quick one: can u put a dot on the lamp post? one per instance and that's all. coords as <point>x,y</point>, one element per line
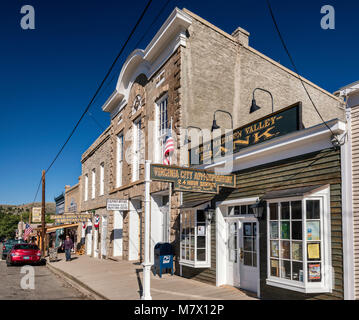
<point>214,124</point>
<point>146,291</point>
<point>254,106</point>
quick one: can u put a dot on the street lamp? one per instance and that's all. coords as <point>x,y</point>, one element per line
<point>215,126</point>
<point>258,208</point>
<point>254,106</point>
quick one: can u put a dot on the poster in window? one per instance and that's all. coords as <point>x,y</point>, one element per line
<point>274,248</point>
<point>201,230</point>
<point>313,230</point>
<point>314,272</point>
<point>274,230</point>
<point>285,230</point>
<point>313,251</point>
<point>297,250</point>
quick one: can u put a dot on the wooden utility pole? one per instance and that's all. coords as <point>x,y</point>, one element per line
<point>43,231</point>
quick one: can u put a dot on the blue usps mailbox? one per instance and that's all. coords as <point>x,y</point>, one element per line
<point>163,257</point>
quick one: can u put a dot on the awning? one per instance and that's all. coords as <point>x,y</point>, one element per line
<point>293,192</point>
<point>61,226</point>
<point>192,204</point>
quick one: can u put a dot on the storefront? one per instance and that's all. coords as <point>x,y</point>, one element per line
<point>279,232</point>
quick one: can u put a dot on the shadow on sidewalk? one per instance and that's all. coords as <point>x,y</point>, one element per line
<point>139,281</point>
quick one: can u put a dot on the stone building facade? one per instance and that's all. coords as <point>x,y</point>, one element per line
<point>189,70</point>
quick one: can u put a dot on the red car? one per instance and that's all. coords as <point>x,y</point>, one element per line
<point>24,253</point>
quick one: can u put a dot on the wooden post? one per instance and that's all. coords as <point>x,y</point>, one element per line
<point>43,215</point>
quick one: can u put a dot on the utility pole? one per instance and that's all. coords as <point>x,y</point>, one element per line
<point>43,234</point>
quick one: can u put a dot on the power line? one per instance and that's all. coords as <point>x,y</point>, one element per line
<point>96,93</point>
<point>296,70</point>
<point>138,42</point>
<point>101,84</point>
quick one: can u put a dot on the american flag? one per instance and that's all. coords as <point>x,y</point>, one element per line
<point>169,148</point>
<point>27,231</point>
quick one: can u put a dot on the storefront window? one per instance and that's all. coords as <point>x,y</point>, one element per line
<point>297,256</point>
<point>195,239</point>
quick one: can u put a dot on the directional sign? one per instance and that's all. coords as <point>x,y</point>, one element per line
<point>195,180</point>
<point>117,204</point>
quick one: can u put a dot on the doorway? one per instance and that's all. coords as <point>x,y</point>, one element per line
<point>117,233</point>
<point>134,230</point>
<point>242,253</point>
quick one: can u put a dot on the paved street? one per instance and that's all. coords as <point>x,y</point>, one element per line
<point>47,285</point>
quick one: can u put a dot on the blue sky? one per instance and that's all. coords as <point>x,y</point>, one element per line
<point>48,75</point>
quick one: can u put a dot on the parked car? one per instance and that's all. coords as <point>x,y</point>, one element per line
<point>24,253</point>
<point>8,245</point>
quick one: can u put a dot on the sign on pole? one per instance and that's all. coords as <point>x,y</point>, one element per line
<point>36,214</point>
<point>117,204</point>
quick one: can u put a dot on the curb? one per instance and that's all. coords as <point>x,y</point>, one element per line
<point>76,283</point>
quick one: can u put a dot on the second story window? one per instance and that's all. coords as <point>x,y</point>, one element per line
<point>93,186</point>
<point>162,126</point>
<point>102,178</point>
<point>137,141</point>
<point>119,160</point>
<point>86,195</point>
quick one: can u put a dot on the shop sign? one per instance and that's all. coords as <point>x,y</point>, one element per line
<point>117,204</point>
<point>36,215</point>
<point>194,180</point>
<point>277,124</point>
<point>71,218</point>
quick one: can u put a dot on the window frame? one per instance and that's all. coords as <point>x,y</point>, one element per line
<point>160,135</point>
<point>137,145</point>
<point>119,166</point>
<point>102,179</point>
<point>195,263</point>
<point>326,283</point>
<point>86,195</point>
<point>93,183</point>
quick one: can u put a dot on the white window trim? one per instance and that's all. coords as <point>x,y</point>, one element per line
<point>162,80</point>
<point>326,264</point>
<point>102,179</point>
<point>93,183</point>
<point>86,195</point>
<point>119,165</point>
<point>136,150</point>
<point>158,155</point>
<point>195,263</point>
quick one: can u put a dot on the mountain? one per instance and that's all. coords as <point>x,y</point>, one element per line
<point>18,209</point>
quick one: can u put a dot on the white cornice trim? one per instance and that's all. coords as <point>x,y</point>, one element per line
<point>169,37</point>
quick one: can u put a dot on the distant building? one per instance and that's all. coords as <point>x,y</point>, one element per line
<point>60,203</point>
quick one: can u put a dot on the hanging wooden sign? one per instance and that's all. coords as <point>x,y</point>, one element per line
<point>194,180</point>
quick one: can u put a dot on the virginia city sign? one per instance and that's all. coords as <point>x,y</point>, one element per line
<point>279,123</point>
<point>195,180</point>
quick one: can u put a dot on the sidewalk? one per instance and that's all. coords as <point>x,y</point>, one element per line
<point>122,280</point>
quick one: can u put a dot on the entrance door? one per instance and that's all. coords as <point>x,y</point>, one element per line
<point>134,230</point>
<point>233,253</point>
<point>242,264</point>
<point>248,256</point>
<point>117,234</point>
<point>104,237</point>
